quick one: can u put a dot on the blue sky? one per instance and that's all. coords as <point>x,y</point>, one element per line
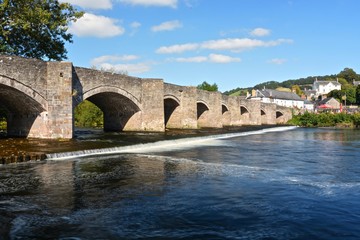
<point>233,43</point>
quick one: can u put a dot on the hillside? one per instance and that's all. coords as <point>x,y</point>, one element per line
<point>348,74</point>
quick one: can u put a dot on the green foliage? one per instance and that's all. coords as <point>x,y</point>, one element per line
<point>88,114</point>
<point>237,92</point>
<point>357,95</point>
<point>325,119</point>
<point>3,123</point>
<point>349,75</point>
<point>36,29</point>
<point>348,94</point>
<point>297,90</point>
<point>208,87</point>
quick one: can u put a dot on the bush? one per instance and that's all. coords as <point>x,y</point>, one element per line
<point>325,119</point>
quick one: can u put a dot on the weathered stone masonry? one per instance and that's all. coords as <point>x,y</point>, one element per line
<point>40,98</point>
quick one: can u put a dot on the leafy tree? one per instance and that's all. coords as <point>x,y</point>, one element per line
<point>3,123</point>
<point>357,94</point>
<point>268,85</point>
<point>88,114</point>
<point>297,90</point>
<point>208,87</point>
<point>36,29</point>
<point>350,94</point>
<point>349,74</point>
<point>337,94</point>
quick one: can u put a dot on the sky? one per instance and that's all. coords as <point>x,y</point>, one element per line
<point>233,43</point>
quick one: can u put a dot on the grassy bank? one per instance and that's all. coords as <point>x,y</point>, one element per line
<point>326,120</point>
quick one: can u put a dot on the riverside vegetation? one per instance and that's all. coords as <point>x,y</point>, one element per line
<point>326,119</point>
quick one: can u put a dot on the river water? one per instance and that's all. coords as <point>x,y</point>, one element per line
<point>280,183</point>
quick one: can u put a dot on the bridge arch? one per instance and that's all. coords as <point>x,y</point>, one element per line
<point>244,110</point>
<point>226,115</point>
<point>27,90</point>
<point>279,114</point>
<point>202,107</point>
<point>23,106</point>
<point>171,103</point>
<point>118,105</point>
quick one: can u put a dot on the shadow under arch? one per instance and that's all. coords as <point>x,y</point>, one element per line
<point>170,104</point>
<point>224,108</point>
<point>23,106</point>
<point>117,105</point>
<point>244,110</point>
<point>262,112</point>
<point>279,114</point>
<point>202,107</point>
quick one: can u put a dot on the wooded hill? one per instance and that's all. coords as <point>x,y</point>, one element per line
<point>348,74</point>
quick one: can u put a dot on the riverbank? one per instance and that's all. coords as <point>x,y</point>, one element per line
<point>14,150</point>
<point>338,120</point>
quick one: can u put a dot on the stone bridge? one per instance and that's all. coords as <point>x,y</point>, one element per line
<point>40,97</point>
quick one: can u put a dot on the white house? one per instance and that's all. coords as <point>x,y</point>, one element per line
<point>286,99</point>
<point>324,87</point>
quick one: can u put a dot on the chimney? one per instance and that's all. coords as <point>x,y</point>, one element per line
<point>253,93</point>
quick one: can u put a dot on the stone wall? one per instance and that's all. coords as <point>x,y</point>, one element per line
<point>180,106</point>
<point>209,109</point>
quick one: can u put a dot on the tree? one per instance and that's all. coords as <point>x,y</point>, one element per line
<point>358,95</point>
<point>36,29</point>
<point>208,87</point>
<point>88,114</point>
<point>349,74</point>
<point>297,90</point>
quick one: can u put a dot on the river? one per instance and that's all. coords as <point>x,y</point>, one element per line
<point>277,183</point>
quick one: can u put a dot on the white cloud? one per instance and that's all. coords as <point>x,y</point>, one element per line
<point>260,32</point>
<point>278,61</point>
<point>214,58</point>
<point>91,4</point>
<point>119,63</point>
<point>128,68</point>
<point>177,48</point>
<point>91,25</point>
<point>230,44</point>
<point>167,26</point>
<point>113,58</point>
<point>135,25</point>
<point>218,58</point>
<point>198,59</point>
<point>148,3</point>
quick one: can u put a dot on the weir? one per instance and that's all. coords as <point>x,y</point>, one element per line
<point>162,146</point>
<point>40,98</point>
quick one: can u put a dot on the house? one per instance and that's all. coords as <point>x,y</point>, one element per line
<point>356,83</point>
<point>309,94</point>
<point>309,106</point>
<point>286,99</point>
<point>328,103</point>
<point>322,88</point>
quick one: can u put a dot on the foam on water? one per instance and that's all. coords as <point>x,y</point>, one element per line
<point>161,146</point>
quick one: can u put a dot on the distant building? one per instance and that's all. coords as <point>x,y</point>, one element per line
<point>286,99</point>
<point>322,88</point>
<point>309,106</point>
<point>310,94</point>
<point>328,103</point>
<point>356,83</point>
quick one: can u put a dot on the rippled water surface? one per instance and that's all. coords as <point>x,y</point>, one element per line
<point>295,184</point>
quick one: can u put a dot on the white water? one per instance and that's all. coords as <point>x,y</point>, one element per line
<point>166,145</point>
